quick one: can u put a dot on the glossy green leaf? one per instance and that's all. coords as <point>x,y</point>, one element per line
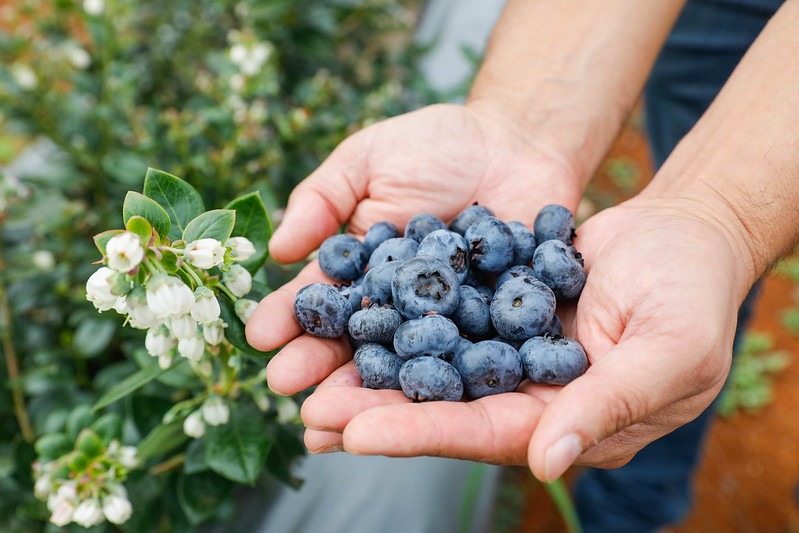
<point>137,204</point>
<point>127,386</point>
<point>161,440</point>
<point>237,450</point>
<point>180,200</point>
<point>252,222</point>
<point>141,227</point>
<point>200,495</point>
<point>53,446</point>
<point>108,427</point>
<point>215,224</point>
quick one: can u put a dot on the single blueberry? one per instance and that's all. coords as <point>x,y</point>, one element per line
<point>379,233</point>
<point>472,315</point>
<point>374,324</point>
<point>398,249</point>
<point>377,366</point>
<point>516,271</point>
<point>448,246</point>
<point>425,284</point>
<point>489,367</point>
<point>321,310</point>
<point>421,225</point>
<point>430,335</point>
<point>429,379</point>
<point>555,328</point>
<point>553,360</point>
<point>342,257</point>
<point>490,245</point>
<point>469,216</point>
<point>523,243</point>
<point>353,293</point>
<point>377,283</point>
<point>554,222</point>
<point>522,308</point>
<point>561,267</point>
<point>462,345</point>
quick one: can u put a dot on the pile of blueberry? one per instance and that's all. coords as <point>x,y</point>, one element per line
<point>447,311</point>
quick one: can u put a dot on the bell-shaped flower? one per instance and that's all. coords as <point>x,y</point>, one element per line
<point>205,253</point>
<point>168,296</point>
<point>214,332</point>
<point>183,327</point>
<point>124,252</point>
<point>88,513</point>
<point>117,509</point>
<point>141,315</point>
<point>194,426</point>
<point>245,308</point>
<point>215,411</point>
<point>192,348</point>
<point>159,341</point>
<point>98,289</point>
<point>206,306</point>
<point>238,280</point>
<point>241,248</point>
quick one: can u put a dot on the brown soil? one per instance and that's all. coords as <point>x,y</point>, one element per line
<point>750,471</point>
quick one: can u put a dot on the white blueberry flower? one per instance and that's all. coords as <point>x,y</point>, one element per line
<point>98,289</point>
<point>192,348</point>
<point>287,410</point>
<point>62,512</point>
<point>141,315</point>
<point>24,76</point>
<point>159,341</point>
<point>241,248</point>
<point>194,426</point>
<point>43,487</point>
<point>238,53</point>
<point>168,296</point>
<point>117,509</point>
<point>215,411</point>
<point>88,513</point>
<point>124,252</point>
<point>214,332</point>
<point>78,57</point>
<point>164,361</point>
<point>184,327</point>
<point>238,280</point>
<point>94,7</point>
<point>262,401</point>
<point>43,259</point>
<point>121,305</point>
<point>206,306</point>
<point>245,308</point>
<point>127,457</point>
<point>205,253</point>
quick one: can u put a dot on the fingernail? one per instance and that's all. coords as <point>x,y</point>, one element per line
<point>327,449</point>
<point>561,455</point>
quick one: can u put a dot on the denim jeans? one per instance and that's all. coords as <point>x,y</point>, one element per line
<point>710,37</point>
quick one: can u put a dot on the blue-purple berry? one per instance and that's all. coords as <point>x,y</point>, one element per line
<point>423,285</point>
<point>490,245</point>
<point>522,308</point>
<point>321,310</point>
<point>426,379</point>
<point>422,225</point>
<point>489,367</point>
<point>553,360</point>
<point>377,366</point>
<point>343,257</point>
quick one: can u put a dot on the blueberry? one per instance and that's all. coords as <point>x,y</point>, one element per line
<point>353,293</point>
<point>421,225</point>
<point>377,366</point>
<point>469,216</point>
<point>342,257</point>
<point>553,360</point>
<point>516,344</point>
<point>431,335</point>
<point>523,243</point>
<point>379,233</point>
<point>555,327</point>
<point>321,310</point>
<point>374,324</point>
<point>522,308</point>
<point>377,283</point>
<point>448,246</point>
<point>554,222</point>
<point>425,284</point>
<point>561,267</point>
<point>490,245</point>
<point>462,345</point>
<point>489,367</point>
<point>428,379</point>
<point>472,315</point>
<point>398,249</point>
<point>516,271</point>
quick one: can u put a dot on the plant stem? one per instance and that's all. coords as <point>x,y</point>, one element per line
<point>193,275</point>
<point>560,496</point>
<point>169,464</point>
<point>233,297</point>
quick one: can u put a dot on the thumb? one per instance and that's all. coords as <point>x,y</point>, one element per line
<point>321,203</point>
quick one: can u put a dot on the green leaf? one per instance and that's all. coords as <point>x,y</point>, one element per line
<point>80,417</point>
<point>180,200</point>
<point>108,427</point>
<point>93,336</point>
<point>215,224</point>
<point>128,385</point>
<point>141,227</point>
<point>101,239</point>
<point>238,449</point>
<point>53,446</point>
<point>161,440</point>
<point>252,222</point>
<point>200,495</point>
<point>169,260</point>
<point>286,447</point>
<point>195,458</point>
<point>137,204</point>
<point>234,332</point>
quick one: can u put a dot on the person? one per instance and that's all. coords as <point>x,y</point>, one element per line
<point>667,270</point>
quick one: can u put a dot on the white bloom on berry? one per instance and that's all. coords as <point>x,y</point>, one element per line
<point>43,259</point>
<point>206,306</point>
<point>98,289</point>
<point>194,426</point>
<point>124,252</point>
<point>94,7</point>
<point>63,512</point>
<point>215,411</point>
<point>184,327</point>
<point>241,248</point>
<point>205,253</point>
<point>245,308</point>
<point>117,509</point>
<point>287,410</point>
<point>141,316</point>
<point>168,296</point>
<point>43,487</point>
<point>159,341</point>
<point>214,332</point>
<point>192,348</point>
<point>238,280</point>
<point>88,513</point>
<point>24,76</point>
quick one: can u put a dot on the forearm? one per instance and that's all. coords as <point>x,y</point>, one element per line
<point>568,72</point>
<point>740,164</point>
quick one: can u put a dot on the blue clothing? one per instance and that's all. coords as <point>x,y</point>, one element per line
<point>709,39</point>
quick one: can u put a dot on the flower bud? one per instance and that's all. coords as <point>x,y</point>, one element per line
<point>192,348</point>
<point>141,316</point>
<point>241,248</point>
<point>43,487</point>
<point>159,341</point>
<point>168,296</point>
<point>88,513</point>
<point>245,308</point>
<point>183,327</point>
<point>117,509</point>
<point>287,410</point>
<point>124,252</point>
<point>194,426</point>
<point>63,511</point>
<point>206,306</point>
<point>214,332</point>
<point>204,368</point>
<point>205,253</point>
<point>238,280</point>
<point>98,289</point>
<point>127,457</point>
<point>215,411</point>
<point>164,361</point>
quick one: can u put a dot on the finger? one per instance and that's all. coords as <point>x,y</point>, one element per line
<point>495,429</point>
<point>332,408</point>
<point>344,376</point>
<point>273,324</point>
<point>322,202</point>
<point>323,441</point>
<point>305,362</point>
